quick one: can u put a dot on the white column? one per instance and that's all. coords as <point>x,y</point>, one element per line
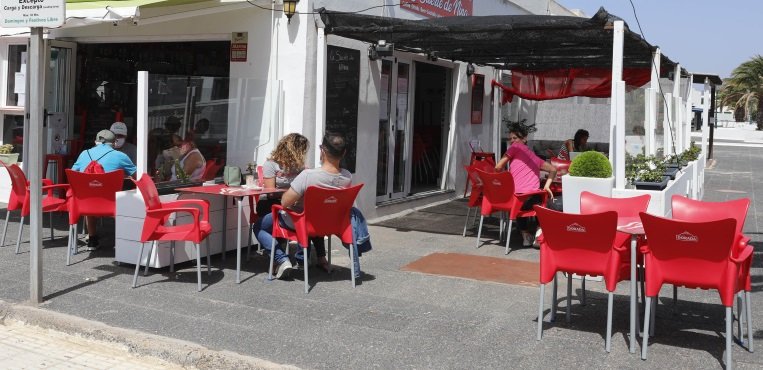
<point>676,116</point>
<point>616,120</point>
<point>142,124</point>
<point>667,138</point>
<point>688,113</point>
<point>652,101</point>
<point>320,95</point>
<point>705,116</point>
<point>460,75</point>
<point>37,67</point>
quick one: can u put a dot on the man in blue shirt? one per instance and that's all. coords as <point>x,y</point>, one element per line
<point>111,160</point>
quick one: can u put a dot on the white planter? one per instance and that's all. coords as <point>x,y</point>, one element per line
<point>572,186</point>
<point>659,201</point>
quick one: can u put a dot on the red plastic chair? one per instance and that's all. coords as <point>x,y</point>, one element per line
<point>475,197</point>
<point>155,226</point>
<point>326,213</point>
<point>580,244</point>
<point>481,160</point>
<point>499,196</point>
<point>211,169</point>
<point>92,194</point>
<point>687,209</point>
<point>694,255</point>
<point>562,168</point>
<point>19,200</point>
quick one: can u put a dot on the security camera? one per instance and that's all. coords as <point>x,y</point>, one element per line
<point>384,49</point>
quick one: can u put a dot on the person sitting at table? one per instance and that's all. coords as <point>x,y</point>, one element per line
<point>328,175</point>
<point>190,160</point>
<point>576,144</point>
<point>104,153</point>
<point>525,168</point>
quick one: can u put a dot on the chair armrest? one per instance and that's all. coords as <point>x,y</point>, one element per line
<point>201,203</point>
<point>50,188</point>
<point>743,255</point>
<point>524,196</point>
<point>163,212</point>
<point>46,182</point>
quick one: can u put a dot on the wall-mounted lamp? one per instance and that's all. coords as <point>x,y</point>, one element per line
<point>289,8</point>
<point>380,50</point>
<point>469,69</point>
<point>432,55</point>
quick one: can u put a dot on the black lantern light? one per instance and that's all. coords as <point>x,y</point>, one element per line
<point>289,8</point>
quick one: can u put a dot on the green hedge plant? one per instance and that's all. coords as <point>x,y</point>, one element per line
<point>591,164</point>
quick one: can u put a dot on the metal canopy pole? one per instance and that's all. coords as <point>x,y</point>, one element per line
<point>617,101</point>
<point>34,161</point>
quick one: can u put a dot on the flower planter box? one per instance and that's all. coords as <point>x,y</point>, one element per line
<point>649,185</point>
<point>10,158</point>
<point>671,172</point>
<point>574,185</point>
<point>659,202</point>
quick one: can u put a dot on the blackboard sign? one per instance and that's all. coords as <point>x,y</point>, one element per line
<point>342,92</point>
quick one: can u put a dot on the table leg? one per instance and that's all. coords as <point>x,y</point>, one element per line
<point>633,294</point>
<point>239,201</point>
<point>225,225</point>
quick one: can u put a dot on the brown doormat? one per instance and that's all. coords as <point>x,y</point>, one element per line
<point>499,270</point>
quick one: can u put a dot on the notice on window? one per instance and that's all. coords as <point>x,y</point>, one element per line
<point>19,83</point>
<point>238,46</point>
<point>32,13</point>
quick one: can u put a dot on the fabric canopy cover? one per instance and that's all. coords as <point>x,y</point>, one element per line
<point>565,83</point>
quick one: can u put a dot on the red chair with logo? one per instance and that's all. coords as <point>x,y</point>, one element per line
<point>693,255</point>
<point>687,209</point>
<point>583,245</point>
<point>326,213</point>
<point>475,197</point>
<point>499,196</point>
<point>92,194</point>
<point>155,226</point>
<point>20,198</point>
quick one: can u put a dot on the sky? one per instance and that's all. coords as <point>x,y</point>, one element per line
<point>705,36</point>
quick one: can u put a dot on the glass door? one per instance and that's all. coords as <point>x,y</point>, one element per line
<point>394,99</point>
<point>59,94</point>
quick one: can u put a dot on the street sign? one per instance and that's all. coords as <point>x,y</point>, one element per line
<point>32,13</point>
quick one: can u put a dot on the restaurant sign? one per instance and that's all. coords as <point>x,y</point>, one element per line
<point>32,13</point>
<point>438,8</point>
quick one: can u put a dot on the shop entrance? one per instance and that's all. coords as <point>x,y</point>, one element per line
<point>430,127</point>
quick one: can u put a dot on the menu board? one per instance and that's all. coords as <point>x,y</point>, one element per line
<point>342,92</point>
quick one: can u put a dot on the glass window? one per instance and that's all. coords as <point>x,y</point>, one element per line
<point>13,132</point>
<point>16,69</point>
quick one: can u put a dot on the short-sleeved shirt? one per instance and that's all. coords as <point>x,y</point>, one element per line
<point>131,150</point>
<point>319,177</point>
<point>110,159</point>
<point>524,167</point>
<point>271,169</point>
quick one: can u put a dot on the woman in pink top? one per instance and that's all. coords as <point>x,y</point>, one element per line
<point>525,168</point>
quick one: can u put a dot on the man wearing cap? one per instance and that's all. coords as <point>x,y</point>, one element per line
<point>111,160</point>
<point>120,132</point>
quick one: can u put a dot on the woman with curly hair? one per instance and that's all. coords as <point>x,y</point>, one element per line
<point>525,168</point>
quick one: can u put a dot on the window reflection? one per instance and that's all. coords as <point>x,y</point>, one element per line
<point>16,70</point>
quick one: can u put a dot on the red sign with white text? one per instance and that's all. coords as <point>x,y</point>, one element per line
<point>438,8</point>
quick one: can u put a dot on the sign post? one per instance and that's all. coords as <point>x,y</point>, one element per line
<point>34,14</point>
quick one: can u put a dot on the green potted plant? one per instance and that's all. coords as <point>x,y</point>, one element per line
<point>7,156</point>
<point>590,171</point>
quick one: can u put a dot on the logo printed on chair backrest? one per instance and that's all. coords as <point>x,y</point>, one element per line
<point>576,228</point>
<point>497,182</point>
<point>687,237</point>
<point>95,184</point>
<point>330,200</point>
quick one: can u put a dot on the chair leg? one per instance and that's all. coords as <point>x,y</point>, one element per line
<point>553,301</point>
<point>137,265</point>
<point>675,296</point>
<point>508,236</point>
<point>5,227</point>
<point>328,252</point>
<point>172,257</point>
<point>479,231</point>
<point>249,244</point>
<point>748,312</point>
<point>569,296</point>
<point>610,300</point>
<point>198,266</point>
<point>209,261</point>
<point>468,210</point>
<point>645,336</point>
<point>540,311</point>
<point>50,214</point>
<point>654,313</point>
<point>307,267</point>
<point>740,318</point>
<point>150,253</point>
<point>353,248</point>
<point>582,294</point>
<point>72,239</point>
<point>729,318</point>
<point>18,238</point>
<point>272,258</point>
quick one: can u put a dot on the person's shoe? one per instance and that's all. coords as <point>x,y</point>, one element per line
<point>282,271</point>
<point>538,236</point>
<point>92,243</point>
<point>527,240</point>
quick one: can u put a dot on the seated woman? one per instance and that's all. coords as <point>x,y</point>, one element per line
<point>191,161</point>
<point>329,175</point>
<point>577,144</point>
<point>525,168</point>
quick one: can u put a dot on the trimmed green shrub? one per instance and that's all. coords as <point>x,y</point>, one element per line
<point>591,164</point>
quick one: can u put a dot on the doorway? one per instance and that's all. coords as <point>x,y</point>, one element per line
<point>431,109</point>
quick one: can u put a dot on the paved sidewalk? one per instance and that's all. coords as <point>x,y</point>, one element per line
<point>28,347</point>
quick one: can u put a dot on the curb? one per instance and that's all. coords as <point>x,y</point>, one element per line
<point>180,352</point>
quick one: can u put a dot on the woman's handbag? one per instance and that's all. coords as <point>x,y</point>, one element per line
<point>232,176</point>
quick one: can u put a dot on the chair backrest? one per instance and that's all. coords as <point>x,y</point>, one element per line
<point>210,169</point>
<point>625,207</point>
<point>687,209</point>
<point>93,194</point>
<point>327,211</point>
<point>18,187</point>
<point>562,167</point>
<point>691,254</point>
<point>577,243</point>
<point>148,190</point>
<point>497,190</point>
